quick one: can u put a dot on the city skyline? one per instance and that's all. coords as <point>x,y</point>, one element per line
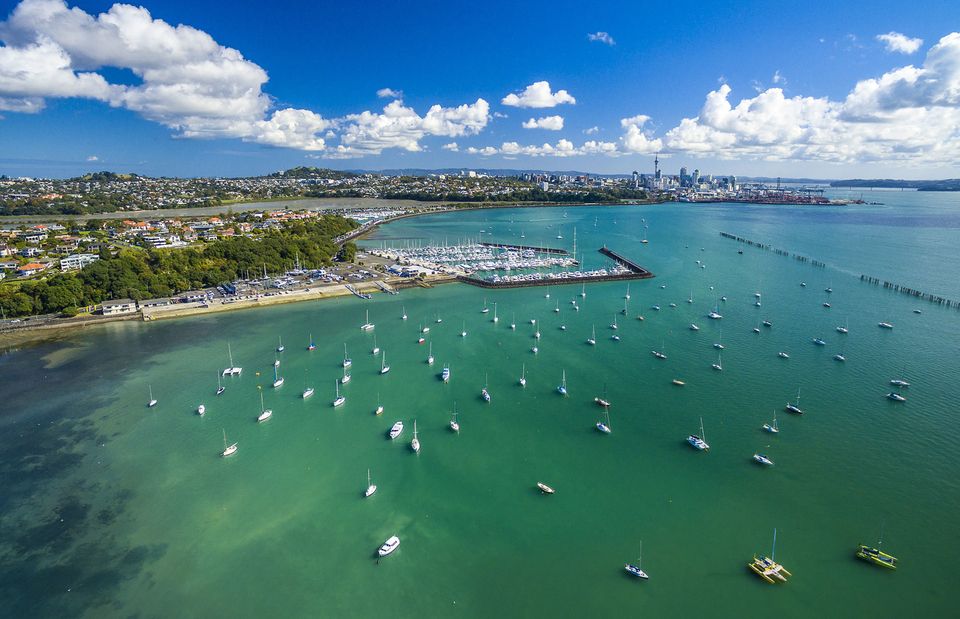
<point>184,89</point>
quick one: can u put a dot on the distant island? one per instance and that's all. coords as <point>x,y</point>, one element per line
<point>950,184</point>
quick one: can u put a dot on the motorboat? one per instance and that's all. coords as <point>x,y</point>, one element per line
<point>544,488</point>
<point>201,410</point>
<point>396,430</point>
<point>783,355</point>
<point>389,546</point>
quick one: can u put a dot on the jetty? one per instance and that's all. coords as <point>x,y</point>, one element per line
<point>624,270</point>
<point>382,286</point>
<point>357,293</point>
<point>521,248</point>
<point>780,252</point>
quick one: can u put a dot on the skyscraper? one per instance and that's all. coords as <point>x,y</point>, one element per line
<point>696,178</point>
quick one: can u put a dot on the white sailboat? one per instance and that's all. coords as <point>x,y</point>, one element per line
<point>384,368</point>
<point>371,487</point>
<point>404,317</point>
<point>415,443</point>
<point>495,318</point>
<point>232,370</point>
<point>699,442</point>
<point>151,402</point>
<point>719,364</point>
<point>583,291</point>
<point>614,325</point>
<point>277,379</point>
<point>339,399</point>
<point>659,354</point>
<point>844,328</point>
<point>605,427</point>
<point>376,349</point>
<point>379,409</point>
<point>513,322</point>
<point>347,361</point>
<point>627,296</point>
<point>264,413</point>
<point>280,347</point>
<point>485,309</point>
<point>772,428</point>
<point>220,387</point>
<point>794,407</point>
<point>634,570</point>
<point>201,410</point>
<point>523,375</point>
<point>593,337</point>
<point>228,450</point>
<point>556,309</point>
<point>562,389</point>
<point>463,329</point>
<point>430,355</point>
<point>719,343</point>
<point>454,424</point>
<point>312,345</point>
<point>308,391</point>
<point>485,393</point>
<point>367,325</point>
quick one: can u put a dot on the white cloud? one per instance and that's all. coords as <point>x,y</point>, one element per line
<point>538,95</point>
<point>601,37</point>
<point>93,158</point>
<point>592,130</point>
<point>500,115</point>
<point>908,114</point>
<point>452,147</point>
<point>778,78</point>
<point>390,93</point>
<point>635,139</point>
<point>901,43</point>
<point>551,123</point>
<point>485,151</point>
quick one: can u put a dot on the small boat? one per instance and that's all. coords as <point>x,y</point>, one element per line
<point>534,350</point>
<point>593,337</point>
<point>220,387</point>
<point>624,310</point>
<point>634,570</point>
<point>425,330</point>
<point>485,309</point>
<point>484,393</point>
<point>896,397</point>
<point>694,327</point>
<point>151,402</point>
<point>839,357</point>
<point>563,327</point>
<point>757,329</point>
<point>899,382</point>
<point>819,341</point>
<point>280,347</point>
<point>762,459</point>
<point>276,363</point>
<point>828,289</point>
<point>389,546</point>
<point>415,443</point>
<point>655,308</point>
<point>430,355</point>
<point>615,338</point>
<point>714,315</point>
<point>803,284</point>
<point>583,291</point>
<point>347,361</point>
<point>673,304</point>
<point>772,428</point>
<point>562,388</point>
<point>794,407</point>
<point>228,450</point>
<point>719,344</point>
<point>556,310</point>
<point>311,345</point>
<point>376,349</point>
<point>309,391</point>
<point>384,368</point>
<point>826,305</point>
<point>536,334</point>
<point>495,317</point>
<point>718,366</point>
<point>768,569</point>
<point>367,325</point>
<point>533,321</point>
<point>544,488</point>
<point>523,375</point>
<point>439,320</point>
<point>201,410</point>
<point>614,325</point>
<point>767,323</point>
<point>379,409</point>
<point>678,382</point>
<point>264,412</point>
<point>396,430</point>
<point>339,399</point>
<point>371,487</point>
<point>658,354</point>
<point>783,355</point>
<point>877,556</point>
<point>690,298</point>
<point>884,325</point>
<point>844,328</point>
<point>916,311</point>
<point>698,441</point>
<point>604,427</point>
<point>404,316</point>
<point>627,296</point>
<point>346,377</point>
<point>463,330</point>
<point>454,424</point>
<point>513,322</point>
<point>445,374</point>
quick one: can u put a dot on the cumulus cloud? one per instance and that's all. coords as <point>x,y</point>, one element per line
<point>592,130</point>
<point>601,37</point>
<point>551,123</point>
<point>907,114</point>
<point>538,95</point>
<point>390,93</point>
<point>900,43</point>
<point>452,147</point>
<point>93,158</point>
<point>635,140</point>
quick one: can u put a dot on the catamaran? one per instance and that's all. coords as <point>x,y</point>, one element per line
<point>347,361</point>
<point>445,374</point>
<point>593,337</point>
<point>767,568</point>
<point>562,389</point>
<point>151,402</point>
<point>371,488</point>
<point>264,412</point>
<point>634,570</point>
<point>367,325</point>
<point>698,441</point>
<point>232,370</point>
<point>772,429</point>
<point>220,387</point>
<point>794,407</point>
<point>384,368</point>
<point>396,430</point>
<point>415,443</point>
<point>228,450</point>
<point>280,347</point>
<point>340,399</point>
<point>523,375</point>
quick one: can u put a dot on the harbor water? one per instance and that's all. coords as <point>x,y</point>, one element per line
<point>114,509</point>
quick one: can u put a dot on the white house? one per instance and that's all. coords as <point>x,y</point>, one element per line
<point>77,261</point>
<point>119,306</point>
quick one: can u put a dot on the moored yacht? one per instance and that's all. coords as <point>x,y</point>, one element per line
<point>228,450</point>
<point>762,459</point>
<point>445,374</point>
<point>698,441</point>
<point>371,487</point>
<point>415,443</point>
<point>772,428</point>
<point>396,430</point>
<point>562,388</point>
<point>367,325</point>
<point>389,546</point>
<point>794,407</point>
<point>201,410</point>
<point>339,399</point>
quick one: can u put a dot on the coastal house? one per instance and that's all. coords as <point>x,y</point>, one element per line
<point>30,252</point>
<point>162,302</point>
<point>119,306</point>
<point>77,261</point>
<point>9,265</point>
<point>5,251</point>
<point>31,268</point>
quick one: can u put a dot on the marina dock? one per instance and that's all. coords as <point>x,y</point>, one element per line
<point>625,270</point>
<point>539,250</point>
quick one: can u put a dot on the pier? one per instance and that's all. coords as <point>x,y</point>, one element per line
<point>926,296</point>
<point>357,293</point>
<point>385,287</point>
<point>779,252</point>
<point>520,248</point>
<point>625,270</point>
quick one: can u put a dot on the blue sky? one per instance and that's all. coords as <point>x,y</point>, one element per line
<point>764,88</point>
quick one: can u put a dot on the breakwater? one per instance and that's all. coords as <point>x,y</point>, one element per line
<point>626,270</point>
<point>780,252</point>
<point>926,296</point>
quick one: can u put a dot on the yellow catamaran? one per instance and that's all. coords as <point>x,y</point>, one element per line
<point>768,569</point>
<point>877,556</point>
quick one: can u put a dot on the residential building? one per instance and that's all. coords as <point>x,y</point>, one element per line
<point>119,306</point>
<point>77,261</point>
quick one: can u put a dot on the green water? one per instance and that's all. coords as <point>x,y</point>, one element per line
<point>113,509</point>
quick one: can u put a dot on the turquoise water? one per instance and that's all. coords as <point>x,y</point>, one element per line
<point>114,509</point>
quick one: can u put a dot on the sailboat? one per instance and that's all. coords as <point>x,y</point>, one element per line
<point>376,349</point>
<point>624,310</point>
<point>604,427</point>
<point>719,344</point>
<point>232,370</point>
<point>454,424</point>
<point>583,291</point>
<point>767,568</point>
<point>201,410</point>
<point>307,390</point>
<point>614,325</point>
<point>311,345</point>
<point>371,487</point>
<point>276,362</point>
<point>340,399</point>
<point>439,320</point>
<point>772,429</point>
<point>603,401</point>
<point>228,450</point>
<point>845,327</point>
<point>445,374</point>
<point>690,298</point>
<point>220,387</point>
<point>463,329</point>
<point>699,441</point>
<point>896,396</point>
<point>264,413</point>
<point>556,309</point>
<point>430,355</point>
<point>151,402</point>
<point>513,322</point>
<point>485,309</point>
<point>367,326</point>
<point>877,556</point>
<point>694,327</point>
<point>379,409</point>
<point>484,393</point>
<point>280,348</point>
<point>384,368</point>
<point>277,379</point>
<point>593,337</point>
<point>659,354</point>
<point>415,443</point>
<point>627,296</point>
<point>562,389</point>
<point>404,317</point>
<point>719,364</point>
<point>347,361</point>
<point>795,407</point>
<point>759,458</point>
<point>495,318</point>
<point>634,570</point>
